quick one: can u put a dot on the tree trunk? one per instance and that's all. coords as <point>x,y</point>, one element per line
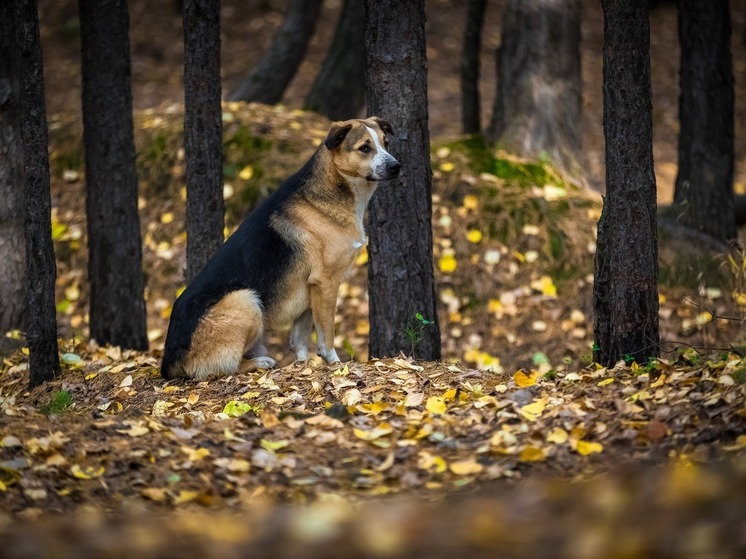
<point>41,331</point>
<point>400,272</point>
<point>12,243</point>
<point>203,140</point>
<point>338,91</point>
<point>117,313</point>
<point>703,198</point>
<point>268,80</point>
<point>470,106</point>
<point>538,105</point>
<point>625,292</point>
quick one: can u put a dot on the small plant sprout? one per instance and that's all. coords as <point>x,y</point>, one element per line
<point>415,333</point>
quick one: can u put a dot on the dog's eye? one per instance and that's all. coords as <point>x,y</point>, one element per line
<point>365,148</point>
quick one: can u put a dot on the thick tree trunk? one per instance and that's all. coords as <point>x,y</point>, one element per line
<point>538,105</point>
<point>470,105</point>
<point>268,80</point>
<point>41,332</point>
<point>400,272</point>
<point>117,313</point>
<point>12,242</point>
<point>338,91</point>
<point>625,292</point>
<point>203,140</point>
<point>704,199</point>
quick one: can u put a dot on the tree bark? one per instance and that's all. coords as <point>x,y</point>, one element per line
<point>268,80</point>
<point>12,242</point>
<point>538,106</point>
<point>41,331</point>
<point>203,133</point>
<point>470,105</point>
<point>400,273</point>
<point>338,91</point>
<point>625,292</point>
<point>117,311</point>
<point>704,198</point>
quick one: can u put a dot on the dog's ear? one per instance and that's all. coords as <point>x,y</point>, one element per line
<point>383,125</point>
<point>337,133</point>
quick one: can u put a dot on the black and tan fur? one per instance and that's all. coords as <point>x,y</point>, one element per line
<point>283,265</point>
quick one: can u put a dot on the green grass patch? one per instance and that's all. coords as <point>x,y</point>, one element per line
<point>59,403</point>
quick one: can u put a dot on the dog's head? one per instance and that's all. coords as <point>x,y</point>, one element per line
<point>359,148</point>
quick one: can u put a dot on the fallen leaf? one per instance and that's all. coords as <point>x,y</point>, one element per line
<point>377,432</point>
<point>436,405</point>
<point>585,447</point>
<point>86,472</point>
<point>465,467</point>
<point>532,454</point>
<point>525,380</point>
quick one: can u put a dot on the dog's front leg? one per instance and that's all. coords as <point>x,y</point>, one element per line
<point>323,303</point>
<point>300,334</point>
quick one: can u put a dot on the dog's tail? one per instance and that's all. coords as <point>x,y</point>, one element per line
<point>172,364</point>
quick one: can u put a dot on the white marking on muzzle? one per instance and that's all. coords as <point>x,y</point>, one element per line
<point>380,162</point>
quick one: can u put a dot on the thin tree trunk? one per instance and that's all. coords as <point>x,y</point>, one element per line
<point>268,80</point>
<point>203,147</point>
<point>338,91</point>
<point>703,198</point>
<point>117,312</point>
<point>470,105</point>
<point>538,105</point>
<point>41,332</point>
<point>400,272</point>
<point>625,293</point>
<point>12,242</point>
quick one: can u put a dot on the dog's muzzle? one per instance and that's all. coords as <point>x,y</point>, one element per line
<point>387,170</point>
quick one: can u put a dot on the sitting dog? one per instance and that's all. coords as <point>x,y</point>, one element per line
<point>283,265</point>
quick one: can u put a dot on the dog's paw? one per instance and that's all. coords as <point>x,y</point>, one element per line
<point>264,362</point>
<point>301,355</point>
<point>330,356</point>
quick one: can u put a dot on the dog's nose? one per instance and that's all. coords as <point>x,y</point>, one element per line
<point>394,167</point>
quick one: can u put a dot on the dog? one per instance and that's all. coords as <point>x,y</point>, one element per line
<point>284,264</point>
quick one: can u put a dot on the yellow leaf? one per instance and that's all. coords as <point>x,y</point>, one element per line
<point>193,398</point>
<point>447,167</point>
<point>362,257</point>
<point>236,409</point>
<point>465,467</point>
<point>167,218</point>
<point>436,405</point>
<point>606,381</point>
<point>273,446</point>
<point>558,436</point>
<point>447,263</point>
<point>246,173</point>
<point>533,411</point>
<point>377,432</point>
<point>431,463</point>
<point>233,464</point>
<point>474,236</point>
<point>374,408</point>
<point>195,454</point>
<point>86,472</point>
<point>157,494</point>
<point>185,497</point>
<point>532,454</point>
<point>471,202</point>
<point>524,380</point>
<point>545,286</point>
<point>585,448</point>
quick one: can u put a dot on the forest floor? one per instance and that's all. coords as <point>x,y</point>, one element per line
<point>516,440</point>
